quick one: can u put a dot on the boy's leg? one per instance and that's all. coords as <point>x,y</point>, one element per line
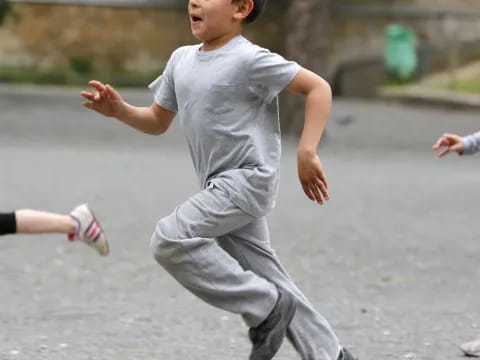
<point>183,243</point>
<point>309,332</point>
<point>8,223</point>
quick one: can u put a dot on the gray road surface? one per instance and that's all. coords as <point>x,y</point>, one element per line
<point>392,260</point>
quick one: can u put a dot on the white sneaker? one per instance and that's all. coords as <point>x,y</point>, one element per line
<point>471,348</point>
<point>88,229</point>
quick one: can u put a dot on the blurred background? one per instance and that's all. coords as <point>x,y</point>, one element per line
<point>347,41</point>
<point>400,49</point>
<point>391,260</point>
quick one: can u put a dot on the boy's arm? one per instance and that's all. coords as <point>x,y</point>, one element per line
<point>108,102</point>
<point>317,111</point>
<point>153,120</point>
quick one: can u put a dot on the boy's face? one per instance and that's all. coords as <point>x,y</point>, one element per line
<point>213,19</point>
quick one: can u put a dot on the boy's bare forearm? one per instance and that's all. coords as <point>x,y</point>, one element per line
<point>318,105</point>
<point>317,111</point>
<point>143,119</point>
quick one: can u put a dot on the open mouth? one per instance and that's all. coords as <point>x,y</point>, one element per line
<point>195,19</point>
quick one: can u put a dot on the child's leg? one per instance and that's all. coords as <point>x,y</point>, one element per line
<point>8,223</point>
<point>309,332</point>
<point>79,224</point>
<point>38,222</point>
<point>182,243</point>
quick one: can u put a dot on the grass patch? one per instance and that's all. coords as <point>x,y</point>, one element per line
<point>71,77</point>
<point>469,86</point>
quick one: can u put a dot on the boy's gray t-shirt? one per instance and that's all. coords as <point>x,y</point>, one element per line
<point>226,101</point>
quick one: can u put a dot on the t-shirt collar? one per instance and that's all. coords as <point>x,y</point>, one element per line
<point>206,55</point>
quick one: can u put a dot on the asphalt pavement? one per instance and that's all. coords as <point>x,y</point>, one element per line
<point>391,260</point>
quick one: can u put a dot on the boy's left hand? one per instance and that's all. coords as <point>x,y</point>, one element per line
<point>311,176</point>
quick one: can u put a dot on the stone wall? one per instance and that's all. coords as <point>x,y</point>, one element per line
<point>50,34</point>
<point>135,34</point>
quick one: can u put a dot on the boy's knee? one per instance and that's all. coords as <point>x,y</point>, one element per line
<point>162,244</point>
<point>158,245</point>
<point>155,243</point>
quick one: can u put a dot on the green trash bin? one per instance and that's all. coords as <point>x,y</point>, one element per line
<point>400,54</point>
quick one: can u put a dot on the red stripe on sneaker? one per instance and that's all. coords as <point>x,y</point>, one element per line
<point>96,235</point>
<point>94,229</point>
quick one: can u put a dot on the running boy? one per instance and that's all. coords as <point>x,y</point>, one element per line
<point>462,145</point>
<point>80,224</point>
<point>216,244</point>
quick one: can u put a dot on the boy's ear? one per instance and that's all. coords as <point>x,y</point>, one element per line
<point>244,8</point>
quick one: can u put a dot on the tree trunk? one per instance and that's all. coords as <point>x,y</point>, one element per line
<point>4,10</point>
<point>307,43</point>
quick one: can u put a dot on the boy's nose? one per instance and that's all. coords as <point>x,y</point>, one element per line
<point>193,3</point>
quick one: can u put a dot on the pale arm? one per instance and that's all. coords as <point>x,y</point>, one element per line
<point>318,105</point>
<point>153,120</point>
<point>108,102</point>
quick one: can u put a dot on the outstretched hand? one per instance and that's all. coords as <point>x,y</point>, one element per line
<point>103,99</point>
<point>312,177</point>
<point>449,143</point>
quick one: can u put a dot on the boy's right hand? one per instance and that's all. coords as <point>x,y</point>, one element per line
<point>450,142</point>
<point>103,99</point>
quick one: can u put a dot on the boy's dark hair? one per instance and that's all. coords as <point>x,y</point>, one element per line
<point>258,8</point>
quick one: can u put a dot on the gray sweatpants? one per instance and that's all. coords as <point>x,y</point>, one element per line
<point>223,255</point>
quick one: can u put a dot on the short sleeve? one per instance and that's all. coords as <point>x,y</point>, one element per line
<point>471,143</point>
<point>269,74</point>
<point>163,88</point>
